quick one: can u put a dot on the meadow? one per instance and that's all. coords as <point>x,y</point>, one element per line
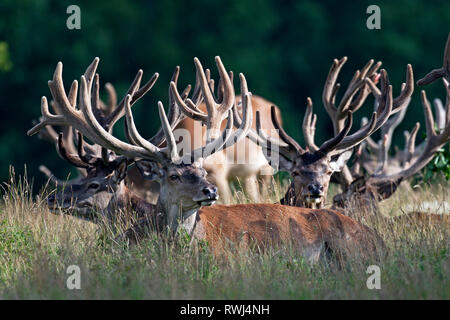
<point>37,246</point>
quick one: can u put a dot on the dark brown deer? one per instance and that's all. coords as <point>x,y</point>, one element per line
<point>104,185</point>
<point>312,167</point>
<point>368,191</point>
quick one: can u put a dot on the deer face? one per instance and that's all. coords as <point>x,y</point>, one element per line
<point>182,186</point>
<point>181,183</point>
<point>311,173</point>
<point>92,193</point>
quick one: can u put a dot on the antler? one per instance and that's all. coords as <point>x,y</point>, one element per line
<point>338,113</point>
<point>84,120</point>
<point>217,107</point>
<point>434,141</point>
<point>381,185</point>
<point>443,72</point>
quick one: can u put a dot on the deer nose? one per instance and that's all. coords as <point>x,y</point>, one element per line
<point>315,189</point>
<point>211,192</point>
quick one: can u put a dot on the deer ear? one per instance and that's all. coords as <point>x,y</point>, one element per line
<point>149,169</point>
<point>339,163</point>
<point>121,171</point>
<point>280,163</point>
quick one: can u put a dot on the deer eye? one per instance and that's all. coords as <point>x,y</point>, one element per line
<point>93,185</point>
<point>294,174</point>
<point>174,177</point>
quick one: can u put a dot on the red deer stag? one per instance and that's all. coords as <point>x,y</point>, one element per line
<point>380,184</point>
<point>312,167</point>
<point>101,187</point>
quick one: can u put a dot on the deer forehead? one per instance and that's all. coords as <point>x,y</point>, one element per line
<point>312,164</point>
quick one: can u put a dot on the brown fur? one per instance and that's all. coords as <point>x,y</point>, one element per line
<point>317,233</point>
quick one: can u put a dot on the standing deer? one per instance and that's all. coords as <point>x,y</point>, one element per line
<point>184,189</point>
<point>245,160</point>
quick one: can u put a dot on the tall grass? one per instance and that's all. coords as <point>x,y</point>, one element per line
<point>36,248</point>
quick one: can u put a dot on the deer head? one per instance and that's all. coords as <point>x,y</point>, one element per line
<point>184,187</point>
<point>96,191</point>
<point>101,186</point>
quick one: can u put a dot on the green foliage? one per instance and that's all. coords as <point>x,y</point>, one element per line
<point>5,60</point>
<point>440,165</point>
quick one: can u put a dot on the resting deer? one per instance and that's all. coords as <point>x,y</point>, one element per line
<point>185,191</point>
<point>381,185</point>
<point>245,160</point>
<point>312,167</point>
<point>92,172</point>
<point>104,184</point>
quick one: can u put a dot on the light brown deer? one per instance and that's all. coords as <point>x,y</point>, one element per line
<point>244,161</point>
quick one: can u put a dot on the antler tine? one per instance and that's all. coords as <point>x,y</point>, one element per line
<point>440,113</point>
<point>407,90</point>
<point>411,144</point>
<point>227,138</point>
<point>136,93</point>
<point>329,89</point>
<point>443,72</point>
<point>112,98</point>
<point>357,160</point>
<point>378,118</point>
<point>172,151</point>
<point>268,143</point>
<point>46,119</point>
<point>348,101</point>
<point>434,141</point>
<point>189,106</point>
<point>283,135</point>
<point>382,155</point>
<point>332,143</point>
<point>220,86</point>
<point>216,111</point>
<point>174,115</point>
<point>309,126</point>
<point>94,131</point>
<point>391,124</point>
<point>71,158</point>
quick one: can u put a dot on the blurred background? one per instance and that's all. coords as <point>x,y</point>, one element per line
<point>285,49</point>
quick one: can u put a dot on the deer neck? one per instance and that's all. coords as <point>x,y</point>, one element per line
<point>125,198</point>
<point>176,216</point>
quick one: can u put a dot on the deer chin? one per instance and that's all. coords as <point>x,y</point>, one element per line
<point>313,201</point>
<point>206,201</point>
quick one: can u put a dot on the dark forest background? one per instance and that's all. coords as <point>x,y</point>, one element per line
<point>285,49</point>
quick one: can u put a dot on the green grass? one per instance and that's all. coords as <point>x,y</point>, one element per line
<point>37,246</point>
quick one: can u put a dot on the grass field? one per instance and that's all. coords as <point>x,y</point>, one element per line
<point>37,247</point>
